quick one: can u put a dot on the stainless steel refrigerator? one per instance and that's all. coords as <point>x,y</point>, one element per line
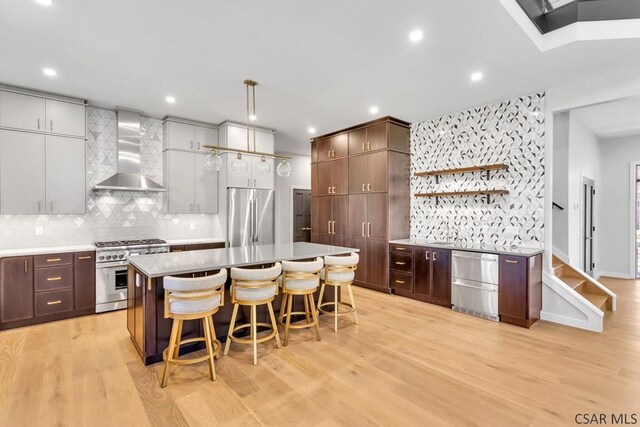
<point>251,214</point>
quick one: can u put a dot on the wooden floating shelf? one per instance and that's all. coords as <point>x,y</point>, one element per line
<point>485,168</point>
<point>487,193</point>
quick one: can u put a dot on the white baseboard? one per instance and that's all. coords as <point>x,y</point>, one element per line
<point>615,275</point>
<point>571,321</point>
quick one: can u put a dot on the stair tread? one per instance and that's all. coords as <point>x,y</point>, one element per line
<point>572,281</point>
<point>598,300</point>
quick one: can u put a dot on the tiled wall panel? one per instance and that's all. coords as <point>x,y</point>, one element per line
<point>510,132</point>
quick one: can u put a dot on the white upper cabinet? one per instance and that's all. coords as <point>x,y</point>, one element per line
<point>235,136</point>
<point>206,187</point>
<point>191,189</point>
<point>183,136</point>
<point>65,118</point>
<point>22,111</point>
<point>65,175</point>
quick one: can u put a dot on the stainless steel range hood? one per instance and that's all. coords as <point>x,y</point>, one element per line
<point>128,177</point>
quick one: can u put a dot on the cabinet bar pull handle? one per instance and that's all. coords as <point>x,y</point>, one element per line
<point>329,190</point>
<point>54,302</point>
<point>38,124</point>
<point>334,190</point>
<point>368,145</point>
<point>400,263</point>
<point>333,227</point>
<point>329,155</point>
<point>363,146</point>
<point>368,229</point>
<point>51,125</point>
<point>53,260</point>
<point>25,265</point>
<point>400,249</point>
<point>510,261</point>
<point>363,230</point>
<point>328,227</point>
<point>435,256</point>
<point>368,187</point>
<point>400,282</point>
<point>53,279</point>
<point>85,257</point>
<point>363,187</point>
<point>333,153</point>
<point>427,255</point>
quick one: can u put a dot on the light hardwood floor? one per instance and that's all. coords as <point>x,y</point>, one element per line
<point>408,363</point>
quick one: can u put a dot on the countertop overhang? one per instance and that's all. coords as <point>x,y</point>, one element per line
<point>475,247</point>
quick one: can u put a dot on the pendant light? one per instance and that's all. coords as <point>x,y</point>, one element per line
<point>213,162</point>
<point>284,169</point>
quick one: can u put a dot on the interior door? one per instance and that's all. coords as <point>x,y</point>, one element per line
<point>301,215</point>
<point>206,187</point>
<point>66,178</point>
<point>588,189</point>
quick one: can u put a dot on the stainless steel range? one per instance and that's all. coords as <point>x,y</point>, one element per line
<point>111,269</point>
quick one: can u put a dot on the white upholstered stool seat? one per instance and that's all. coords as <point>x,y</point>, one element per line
<point>252,287</point>
<point>192,298</point>
<point>300,278</point>
<point>339,272</point>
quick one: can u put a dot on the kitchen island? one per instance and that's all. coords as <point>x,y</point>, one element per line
<point>145,291</point>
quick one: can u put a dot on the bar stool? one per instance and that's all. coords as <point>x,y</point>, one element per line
<point>339,271</point>
<point>300,278</point>
<point>192,299</point>
<point>253,287</point>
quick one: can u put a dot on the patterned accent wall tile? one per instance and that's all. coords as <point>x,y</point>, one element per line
<point>110,215</point>
<point>510,132</point>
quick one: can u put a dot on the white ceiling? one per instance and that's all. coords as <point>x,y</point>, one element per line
<point>612,119</point>
<point>319,63</point>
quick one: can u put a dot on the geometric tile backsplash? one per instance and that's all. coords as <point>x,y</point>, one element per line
<point>510,132</point>
<point>116,214</point>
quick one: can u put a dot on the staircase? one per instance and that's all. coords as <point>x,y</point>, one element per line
<point>580,283</point>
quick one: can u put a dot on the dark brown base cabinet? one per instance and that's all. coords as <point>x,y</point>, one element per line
<point>424,273</point>
<point>43,288</point>
<point>197,247</point>
<point>360,193</point>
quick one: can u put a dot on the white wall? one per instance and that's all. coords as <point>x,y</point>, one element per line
<point>617,215</point>
<point>561,183</point>
<point>300,178</point>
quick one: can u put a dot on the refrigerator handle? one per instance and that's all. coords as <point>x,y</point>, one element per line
<point>255,221</point>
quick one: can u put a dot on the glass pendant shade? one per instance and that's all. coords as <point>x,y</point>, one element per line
<point>263,166</point>
<point>284,169</point>
<point>213,162</point>
<point>239,164</point>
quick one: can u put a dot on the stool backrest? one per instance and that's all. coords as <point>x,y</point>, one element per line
<point>193,288</point>
<point>254,278</point>
<point>339,264</point>
<point>301,270</point>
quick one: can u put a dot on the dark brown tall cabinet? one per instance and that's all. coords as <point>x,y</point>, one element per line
<point>360,193</point>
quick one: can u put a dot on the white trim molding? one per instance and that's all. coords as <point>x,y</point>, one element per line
<point>632,221</point>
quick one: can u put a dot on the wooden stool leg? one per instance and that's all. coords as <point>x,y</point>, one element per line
<point>274,324</point>
<point>254,334</point>
<point>232,325</point>
<point>314,314</point>
<point>335,312</point>
<point>179,335</point>
<point>320,296</point>
<point>353,303</point>
<point>306,308</point>
<point>209,345</point>
<point>286,327</point>
<point>170,350</point>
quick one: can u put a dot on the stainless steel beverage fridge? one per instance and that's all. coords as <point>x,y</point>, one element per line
<point>251,214</point>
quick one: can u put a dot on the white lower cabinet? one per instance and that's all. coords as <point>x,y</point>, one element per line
<point>190,187</point>
<point>65,175</point>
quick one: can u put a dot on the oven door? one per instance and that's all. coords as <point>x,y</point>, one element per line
<point>111,282</point>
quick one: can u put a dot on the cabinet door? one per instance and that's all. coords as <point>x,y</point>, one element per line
<point>340,146</point>
<point>262,176</point>
<point>441,275</point>
<point>180,136</point>
<point>512,292</point>
<point>239,178</point>
<point>314,215</point>
<point>324,149</point>
<point>357,174</point>
<point>377,172</point>
<point>357,141</point>
<point>325,215</point>
<point>314,151</point>
<point>84,280</point>
<point>65,118</point>
<point>325,178</point>
<point>264,142</point>
<point>206,187</point>
<point>180,182</point>
<point>205,136</point>
<point>421,270</point>
<point>358,215</point>
<point>340,175</point>
<point>65,175</point>
<point>377,216</point>
<point>378,262</point>
<point>314,179</point>
<point>22,111</point>
<point>340,215</point>
<point>361,243</point>
<point>377,137</point>
<point>236,137</point>
<point>16,288</point>
<point>22,173</point>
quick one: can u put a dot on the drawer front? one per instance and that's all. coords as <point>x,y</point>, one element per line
<point>401,280</point>
<point>401,248</point>
<point>48,279</point>
<point>53,260</point>
<point>401,262</point>
<point>54,302</point>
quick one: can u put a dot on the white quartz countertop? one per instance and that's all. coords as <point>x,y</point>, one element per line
<point>195,241</point>
<point>174,263</point>
<point>46,250</point>
<point>474,247</point>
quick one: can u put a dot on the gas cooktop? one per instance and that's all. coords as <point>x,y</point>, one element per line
<point>127,243</point>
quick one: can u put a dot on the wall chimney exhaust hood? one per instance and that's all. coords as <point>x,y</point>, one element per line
<point>128,177</point>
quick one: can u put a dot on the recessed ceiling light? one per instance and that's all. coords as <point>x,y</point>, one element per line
<point>49,72</point>
<point>44,2</point>
<point>477,76</point>
<point>374,110</point>
<point>312,130</point>
<point>170,99</point>
<point>253,117</point>
<point>416,35</point>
